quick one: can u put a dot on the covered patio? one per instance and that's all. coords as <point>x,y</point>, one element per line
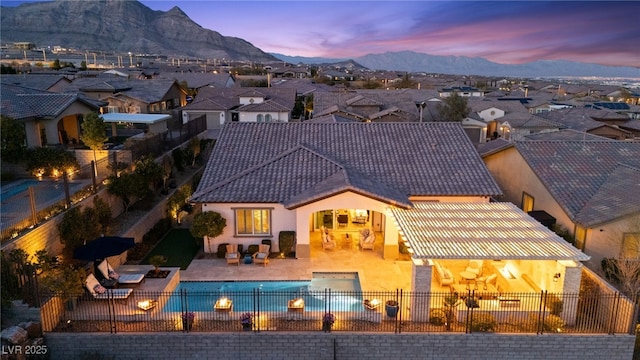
<point>503,242</point>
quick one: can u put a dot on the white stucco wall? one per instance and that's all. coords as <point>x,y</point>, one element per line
<point>253,116</point>
<point>487,116</point>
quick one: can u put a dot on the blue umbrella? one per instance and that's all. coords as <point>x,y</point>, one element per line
<point>104,247</point>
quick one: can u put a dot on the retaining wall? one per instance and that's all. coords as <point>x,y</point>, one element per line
<point>319,346</point>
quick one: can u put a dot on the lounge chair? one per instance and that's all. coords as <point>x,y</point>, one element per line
<point>262,256</point>
<point>100,292</point>
<point>327,239</point>
<point>367,239</point>
<point>232,255</point>
<point>108,273</point>
<point>475,266</point>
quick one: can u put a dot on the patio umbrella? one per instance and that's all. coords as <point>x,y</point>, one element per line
<point>104,247</point>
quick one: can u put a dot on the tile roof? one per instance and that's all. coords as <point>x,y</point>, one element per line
<point>497,231</point>
<point>579,174</point>
<point>34,81</point>
<point>565,134</point>
<point>581,119</point>
<point>277,162</point>
<point>529,121</point>
<point>23,103</point>
<point>493,146</point>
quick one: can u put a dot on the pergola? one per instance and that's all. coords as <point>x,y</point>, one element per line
<point>497,231</point>
<point>500,232</point>
<point>156,123</point>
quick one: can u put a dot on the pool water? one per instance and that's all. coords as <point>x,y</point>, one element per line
<point>14,189</point>
<point>344,294</point>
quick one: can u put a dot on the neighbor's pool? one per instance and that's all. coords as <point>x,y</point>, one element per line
<point>345,294</point>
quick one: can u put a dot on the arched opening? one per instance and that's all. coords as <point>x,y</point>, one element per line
<point>346,227</point>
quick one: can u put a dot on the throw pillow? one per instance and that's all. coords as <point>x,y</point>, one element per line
<point>99,289</point>
<point>113,275</point>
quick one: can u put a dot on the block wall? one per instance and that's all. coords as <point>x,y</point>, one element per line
<point>319,346</point>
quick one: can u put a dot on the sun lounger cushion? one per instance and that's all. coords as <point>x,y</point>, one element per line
<point>91,283</point>
<point>130,278</point>
<point>261,256</point>
<point>99,289</point>
<point>232,255</point>
<point>108,272</point>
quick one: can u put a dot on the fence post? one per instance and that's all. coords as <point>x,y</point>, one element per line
<point>540,322</point>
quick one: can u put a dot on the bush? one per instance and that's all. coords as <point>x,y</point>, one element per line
<point>252,249</point>
<point>555,306</point>
<point>286,240</point>
<point>222,250</point>
<point>553,323</point>
<point>483,323</point>
<point>437,317</point>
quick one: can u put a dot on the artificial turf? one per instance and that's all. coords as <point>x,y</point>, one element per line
<point>178,246</point>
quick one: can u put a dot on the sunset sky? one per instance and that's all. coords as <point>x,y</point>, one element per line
<point>508,32</point>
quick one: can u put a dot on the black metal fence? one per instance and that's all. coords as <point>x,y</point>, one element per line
<point>304,310</point>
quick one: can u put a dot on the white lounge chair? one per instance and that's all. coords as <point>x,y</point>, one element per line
<point>108,273</point>
<point>99,292</point>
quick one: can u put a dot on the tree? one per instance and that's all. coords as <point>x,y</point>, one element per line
<point>405,83</point>
<point>177,201</point>
<point>14,139</point>
<point>50,161</point>
<point>103,214</point>
<point>208,224</point>
<point>76,228</point>
<point>129,187</point>
<point>93,134</point>
<point>56,64</point>
<point>151,171</point>
<point>454,108</point>
<point>194,146</point>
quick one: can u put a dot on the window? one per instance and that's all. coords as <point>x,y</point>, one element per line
<point>580,236</point>
<point>267,118</point>
<point>259,118</point>
<point>527,202</point>
<point>253,222</point>
<point>630,246</point>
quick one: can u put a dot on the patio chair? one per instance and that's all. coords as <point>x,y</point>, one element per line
<point>262,256</point>
<point>367,239</point>
<point>100,292</point>
<point>475,266</point>
<point>232,255</point>
<point>327,239</point>
<point>107,272</point>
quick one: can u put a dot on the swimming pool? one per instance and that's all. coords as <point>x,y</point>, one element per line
<point>16,188</point>
<point>344,294</point>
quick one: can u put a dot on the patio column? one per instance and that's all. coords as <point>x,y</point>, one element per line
<point>391,250</point>
<point>570,285</point>
<point>421,288</point>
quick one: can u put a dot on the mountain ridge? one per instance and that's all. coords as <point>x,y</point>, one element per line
<point>120,25</point>
<point>412,61</point>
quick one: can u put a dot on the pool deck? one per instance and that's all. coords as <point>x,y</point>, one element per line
<point>374,272</point>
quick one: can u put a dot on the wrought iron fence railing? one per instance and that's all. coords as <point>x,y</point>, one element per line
<point>361,311</point>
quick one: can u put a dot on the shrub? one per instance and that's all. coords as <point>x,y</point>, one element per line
<point>483,323</point>
<point>437,317</point>
<point>222,250</point>
<point>555,306</point>
<point>252,249</point>
<point>286,240</point>
<point>553,323</point>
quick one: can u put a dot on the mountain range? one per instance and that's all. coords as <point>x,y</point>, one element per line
<point>462,65</point>
<point>129,26</point>
<point>120,26</point>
